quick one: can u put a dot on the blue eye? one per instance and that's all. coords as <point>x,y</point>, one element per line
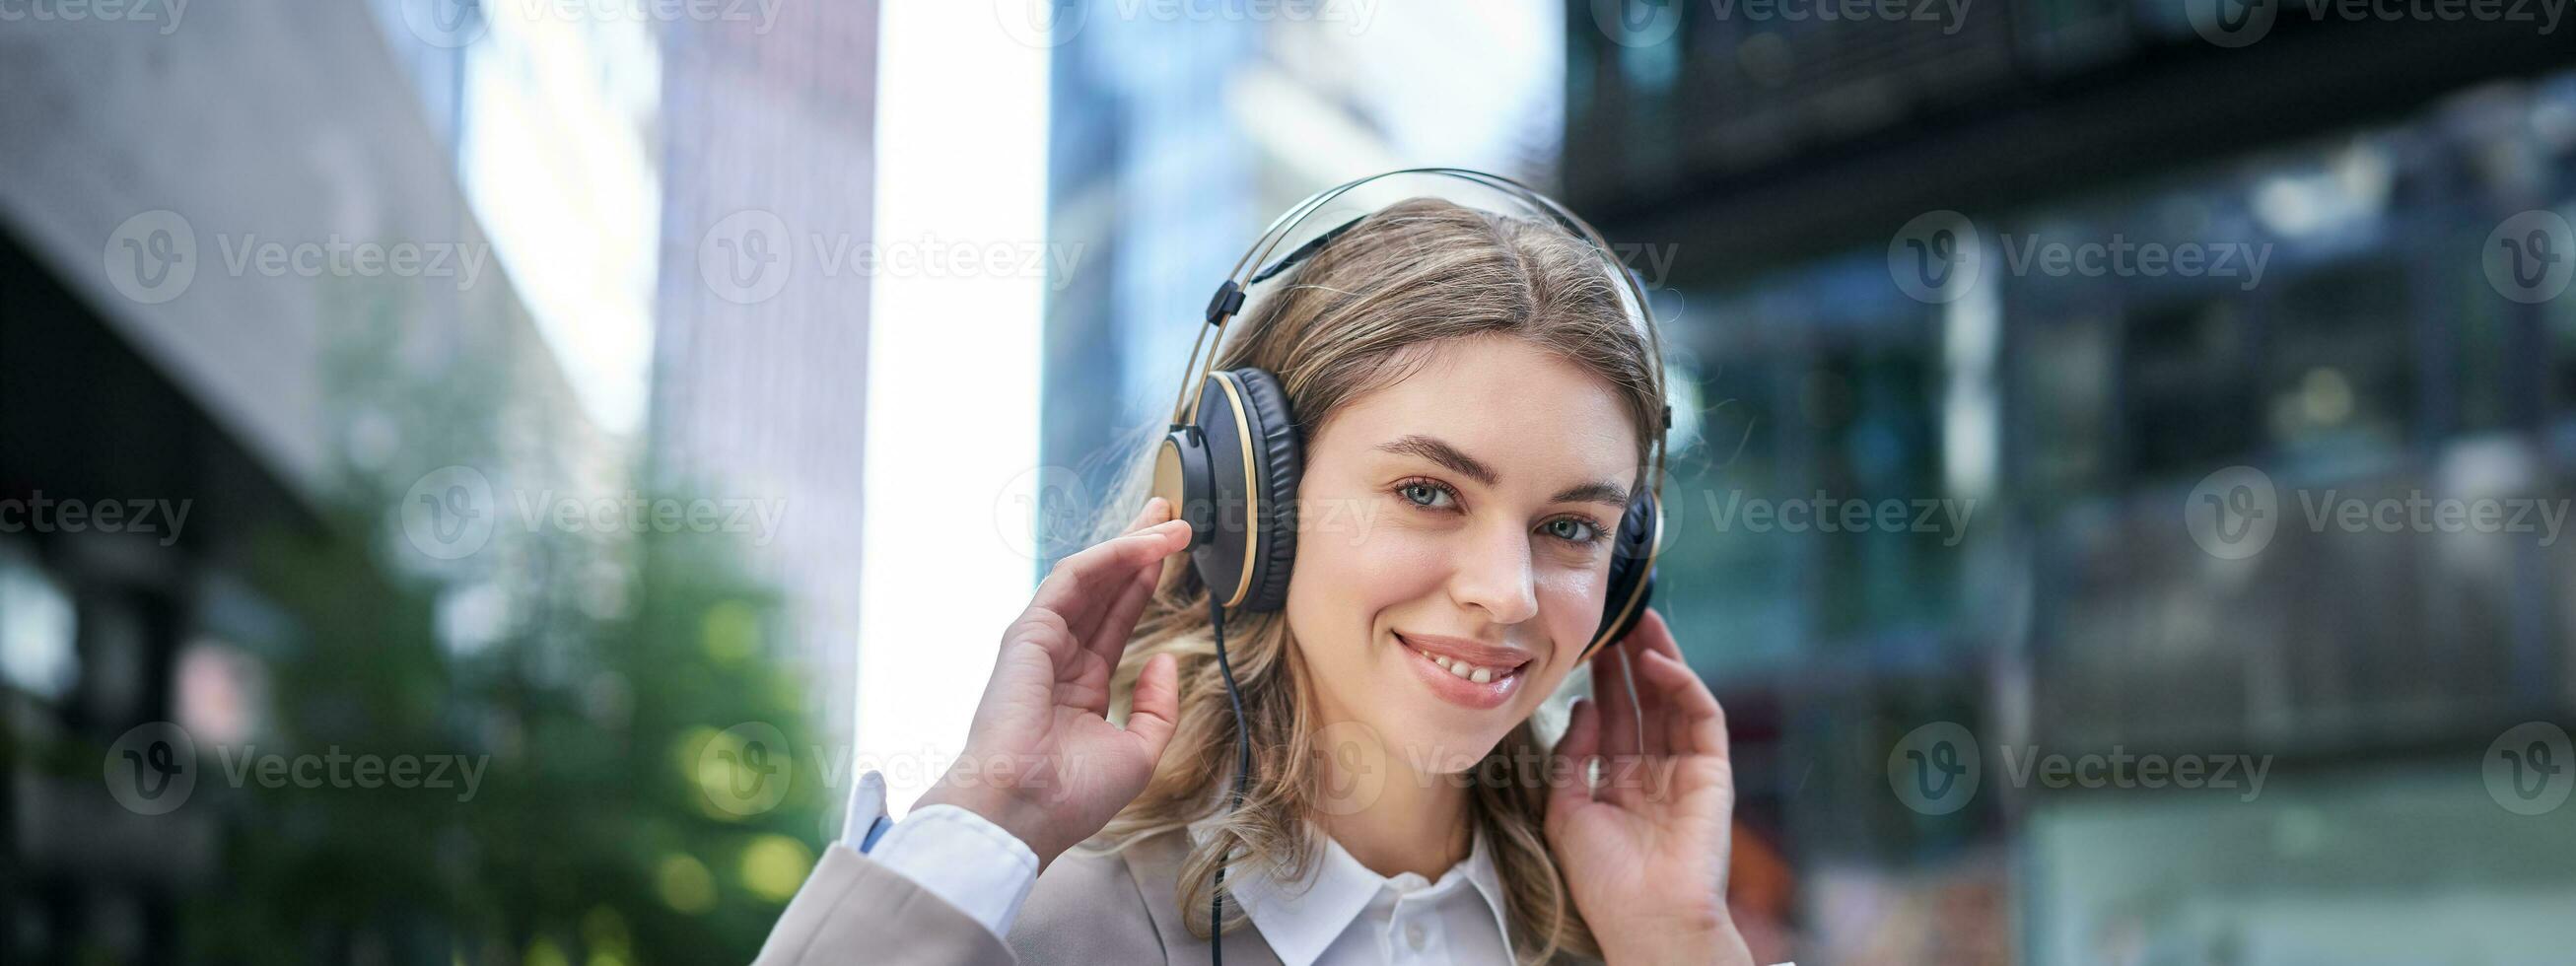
<point>1423,493</point>
<point>1572,530</point>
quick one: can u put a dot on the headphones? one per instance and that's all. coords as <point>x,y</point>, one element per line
<point>1233,447</point>
<point>1231,461</point>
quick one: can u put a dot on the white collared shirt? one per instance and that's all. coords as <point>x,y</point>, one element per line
<point>1343,914</point>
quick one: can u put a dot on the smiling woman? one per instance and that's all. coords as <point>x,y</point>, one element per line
<point>1449,411</point>
<point>1474,402</point>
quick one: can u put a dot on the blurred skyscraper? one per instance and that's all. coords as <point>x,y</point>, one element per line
<point>760,358</point>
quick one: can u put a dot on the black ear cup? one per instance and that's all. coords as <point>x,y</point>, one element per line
<point>1280,463</point>
<point>1632,570</point>
<point>1233,475</point>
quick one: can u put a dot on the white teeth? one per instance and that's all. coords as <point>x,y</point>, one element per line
<point>1480,675</point>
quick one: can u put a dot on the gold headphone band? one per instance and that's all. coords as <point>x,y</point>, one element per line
<point>1251,489</point>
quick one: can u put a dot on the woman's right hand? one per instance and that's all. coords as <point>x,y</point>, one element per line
<point>1042,760</point>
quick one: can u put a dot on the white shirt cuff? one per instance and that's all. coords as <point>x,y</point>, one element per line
<point>956,854</point>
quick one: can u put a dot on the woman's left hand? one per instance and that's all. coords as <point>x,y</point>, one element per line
<point>1646,852</point>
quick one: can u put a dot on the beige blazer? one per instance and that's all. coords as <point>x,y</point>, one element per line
<point>1085,909</point>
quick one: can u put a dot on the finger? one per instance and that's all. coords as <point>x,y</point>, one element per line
<point>1568,783</point>
<point>1157,705</point>
<point>1618,706</point>
<point>1652,637</point>
<point>1109,640</point>
<point>1156,510</point>
<point>1073,590</point>
<point>1700,725</point>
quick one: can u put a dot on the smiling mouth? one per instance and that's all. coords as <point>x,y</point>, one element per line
<point>1475,673</point>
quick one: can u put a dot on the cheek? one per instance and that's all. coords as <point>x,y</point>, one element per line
<point>1569,604</point>
<point>1345,581</point>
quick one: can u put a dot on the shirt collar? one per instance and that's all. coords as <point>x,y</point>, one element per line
<point>1300,918</point>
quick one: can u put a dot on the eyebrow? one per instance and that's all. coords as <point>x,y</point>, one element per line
<point>1457,460</point>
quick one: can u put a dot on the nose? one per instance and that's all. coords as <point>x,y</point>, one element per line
<point>1493,575</point>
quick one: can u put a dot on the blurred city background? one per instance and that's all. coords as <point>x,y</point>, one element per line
<point>476,478</point>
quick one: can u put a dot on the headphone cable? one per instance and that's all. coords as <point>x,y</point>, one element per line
<point>1242,774</point>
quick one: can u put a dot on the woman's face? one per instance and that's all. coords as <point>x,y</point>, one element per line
<point>1458,520</point>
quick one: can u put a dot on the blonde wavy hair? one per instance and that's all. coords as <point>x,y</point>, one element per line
<point>1413,274</point>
